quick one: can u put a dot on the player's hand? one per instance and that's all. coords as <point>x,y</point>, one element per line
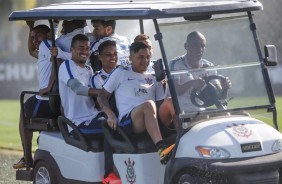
<point>199,83</point>
<point>54,51</point>
<point>225,86</point>
<point>56,21</point>
<point>227,83</point>
<point>44,91</point>
<point>112,121</point>
<point>30,24</point>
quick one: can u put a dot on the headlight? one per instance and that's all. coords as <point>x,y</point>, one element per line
<point>212,152</point>
<point>277,146</point>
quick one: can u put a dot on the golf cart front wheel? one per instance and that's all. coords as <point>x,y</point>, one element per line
<point>189,179</point>
<point>43,174</point>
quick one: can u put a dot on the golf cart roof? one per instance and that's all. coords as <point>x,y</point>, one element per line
<point>134,10</point>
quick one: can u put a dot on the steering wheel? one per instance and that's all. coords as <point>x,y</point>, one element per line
<point>210,94</point>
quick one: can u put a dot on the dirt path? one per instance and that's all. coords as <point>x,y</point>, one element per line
<point>7,173</point>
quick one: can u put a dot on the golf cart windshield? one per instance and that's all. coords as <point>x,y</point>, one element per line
<point>230,51</point>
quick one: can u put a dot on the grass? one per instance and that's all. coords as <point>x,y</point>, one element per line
<point>9,125</point>
<point>9,117</point>
<point>260,114</point>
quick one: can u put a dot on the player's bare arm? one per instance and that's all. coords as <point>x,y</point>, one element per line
<point>103,100</point>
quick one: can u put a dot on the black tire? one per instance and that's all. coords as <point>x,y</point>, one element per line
<point>186,178</point>
<point>43,174</point>
<point>280,175</point>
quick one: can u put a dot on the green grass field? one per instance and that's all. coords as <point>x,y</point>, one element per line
<point>9,117</point>
<point>9,125</point>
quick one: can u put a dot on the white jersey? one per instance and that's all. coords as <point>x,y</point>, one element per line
<point>63,43</point>
<point>132,89</point>
<point>180,63</point>
<point>98,79</point>
<point>122,44</point>
<point>76,108</point>
<point>44,66</point>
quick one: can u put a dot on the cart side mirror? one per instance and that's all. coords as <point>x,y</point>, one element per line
<point>159,70</point>
<point>270,54</point>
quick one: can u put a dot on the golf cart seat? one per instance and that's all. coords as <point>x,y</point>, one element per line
<point>39,124</point>
<point>120,141</point>
<point>78,140</point>
<point>122,144</point>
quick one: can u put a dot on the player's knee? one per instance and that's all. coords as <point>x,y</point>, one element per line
<point>149,105</point>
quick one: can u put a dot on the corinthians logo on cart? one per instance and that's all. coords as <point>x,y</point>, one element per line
<point>240,130</point>
<point>130,176</point>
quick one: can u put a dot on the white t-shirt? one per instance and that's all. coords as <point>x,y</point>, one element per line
<point>44,66</point>
<point>98,79</point>
<point>76,108</point>
<point>132,89</point>
<point>180,63</point>
<point>63,43</point>
<point>122,44</point>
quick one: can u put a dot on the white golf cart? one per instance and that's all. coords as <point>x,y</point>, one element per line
<point>228,140</point>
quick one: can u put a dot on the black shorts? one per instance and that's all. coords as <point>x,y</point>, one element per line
<point>34,107</point>
<point>126,125</point>
<point>93,130</point>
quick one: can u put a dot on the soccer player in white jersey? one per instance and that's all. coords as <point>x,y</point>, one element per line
<point>63,42</point>
<point>184,83</point>
<point>37,105</point>
<point>74,76</point>
<point>105,30</point>
<point>146,40</point>
<point>136,93</point>
<point>108,57</point>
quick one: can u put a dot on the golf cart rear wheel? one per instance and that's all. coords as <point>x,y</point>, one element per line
<point>43,174</point>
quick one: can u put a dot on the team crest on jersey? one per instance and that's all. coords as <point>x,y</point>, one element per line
<point>104,77</point>
<point>149,81</point>
<point>130,176</point>
<point>123,47</point>
<point>125,67</point>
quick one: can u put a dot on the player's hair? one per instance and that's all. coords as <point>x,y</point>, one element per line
<point>136,46</point>
<point>79,23</point>
<point>105,44</point>
<point>105,23</point>
<point>141,37</point>
<point>78,37</point>
<point>43,28</point>
<point>193,35</point>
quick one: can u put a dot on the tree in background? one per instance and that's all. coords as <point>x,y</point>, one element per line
<point>269,24</point>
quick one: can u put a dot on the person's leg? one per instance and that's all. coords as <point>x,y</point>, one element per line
<point>26,136</point>
<point>94,131</point>
<point>110,175</point>
<point>108,153</point>
<point>144,117</point>
<point>167,113</point>
<point>27,142</point>
<point>22,162</point>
